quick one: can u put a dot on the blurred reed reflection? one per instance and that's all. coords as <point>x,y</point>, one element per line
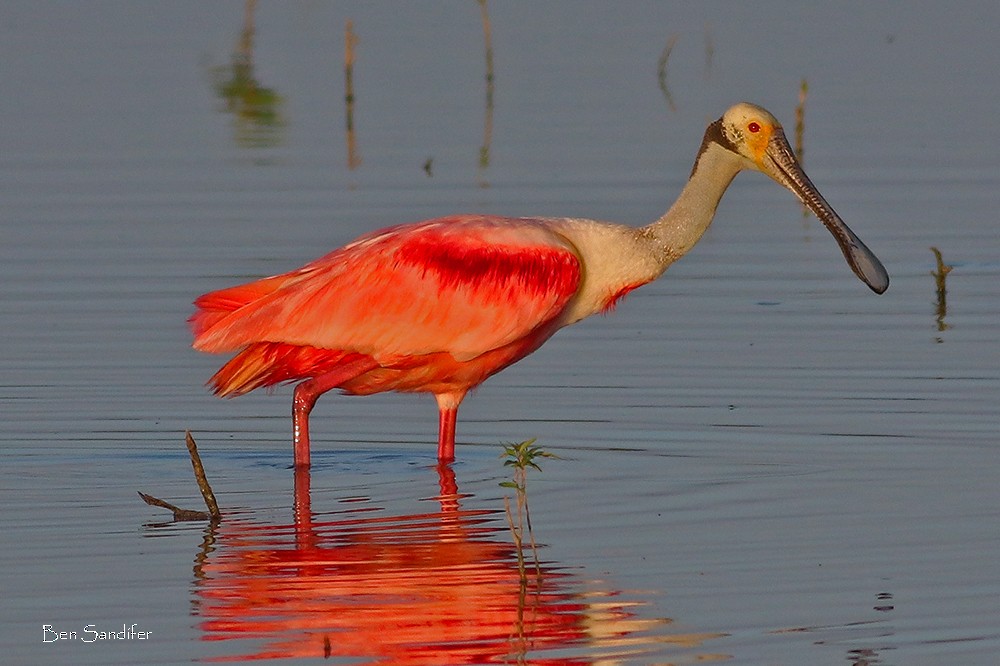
<point>255,108</point>
<point>484,150</point>
<point>350,42</point>
<point>440,587</point>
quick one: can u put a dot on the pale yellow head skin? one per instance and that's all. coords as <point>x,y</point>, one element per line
<point>751,130</point>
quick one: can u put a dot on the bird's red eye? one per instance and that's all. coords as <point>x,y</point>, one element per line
<point>753,127</point>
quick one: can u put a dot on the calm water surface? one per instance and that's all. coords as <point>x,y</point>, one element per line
<point>759,460</point>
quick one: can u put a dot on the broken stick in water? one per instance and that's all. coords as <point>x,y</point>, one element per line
<point>213,512</point>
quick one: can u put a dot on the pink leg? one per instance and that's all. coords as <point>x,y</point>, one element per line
<point>447,415</point>
<point>302,508</point>
<point>449,489</point>
<point>305,397</point>
<point>446,434</point>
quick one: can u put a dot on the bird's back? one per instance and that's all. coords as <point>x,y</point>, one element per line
<point>462,285</point>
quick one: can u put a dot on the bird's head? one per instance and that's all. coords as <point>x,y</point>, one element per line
<point>747,130</point>
<point>755,135</point>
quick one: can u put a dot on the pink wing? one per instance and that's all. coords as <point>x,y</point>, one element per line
<point>459,285</point>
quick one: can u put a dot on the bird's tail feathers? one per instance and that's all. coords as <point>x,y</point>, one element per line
<point>214,307</point>
<point>270,363</point>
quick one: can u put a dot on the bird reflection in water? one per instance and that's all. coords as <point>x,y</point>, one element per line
<point>440,587</point>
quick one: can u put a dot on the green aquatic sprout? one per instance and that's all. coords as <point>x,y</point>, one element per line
<point>521,457</point>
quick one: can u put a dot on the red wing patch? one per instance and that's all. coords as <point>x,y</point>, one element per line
<point>615,298</point>
<point>496,269</point>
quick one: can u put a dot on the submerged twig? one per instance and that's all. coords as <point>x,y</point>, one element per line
<point>179,513</point>
<point>213,512</point>
<point>940,275</point>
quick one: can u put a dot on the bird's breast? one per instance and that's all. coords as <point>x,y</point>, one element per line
<point>615,259</point>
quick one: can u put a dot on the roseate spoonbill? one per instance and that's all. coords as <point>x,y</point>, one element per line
<point>439,306</point>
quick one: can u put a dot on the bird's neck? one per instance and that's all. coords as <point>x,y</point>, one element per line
<point>687,220</point>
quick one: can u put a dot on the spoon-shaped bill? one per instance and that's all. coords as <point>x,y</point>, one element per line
<point>780,164</point>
